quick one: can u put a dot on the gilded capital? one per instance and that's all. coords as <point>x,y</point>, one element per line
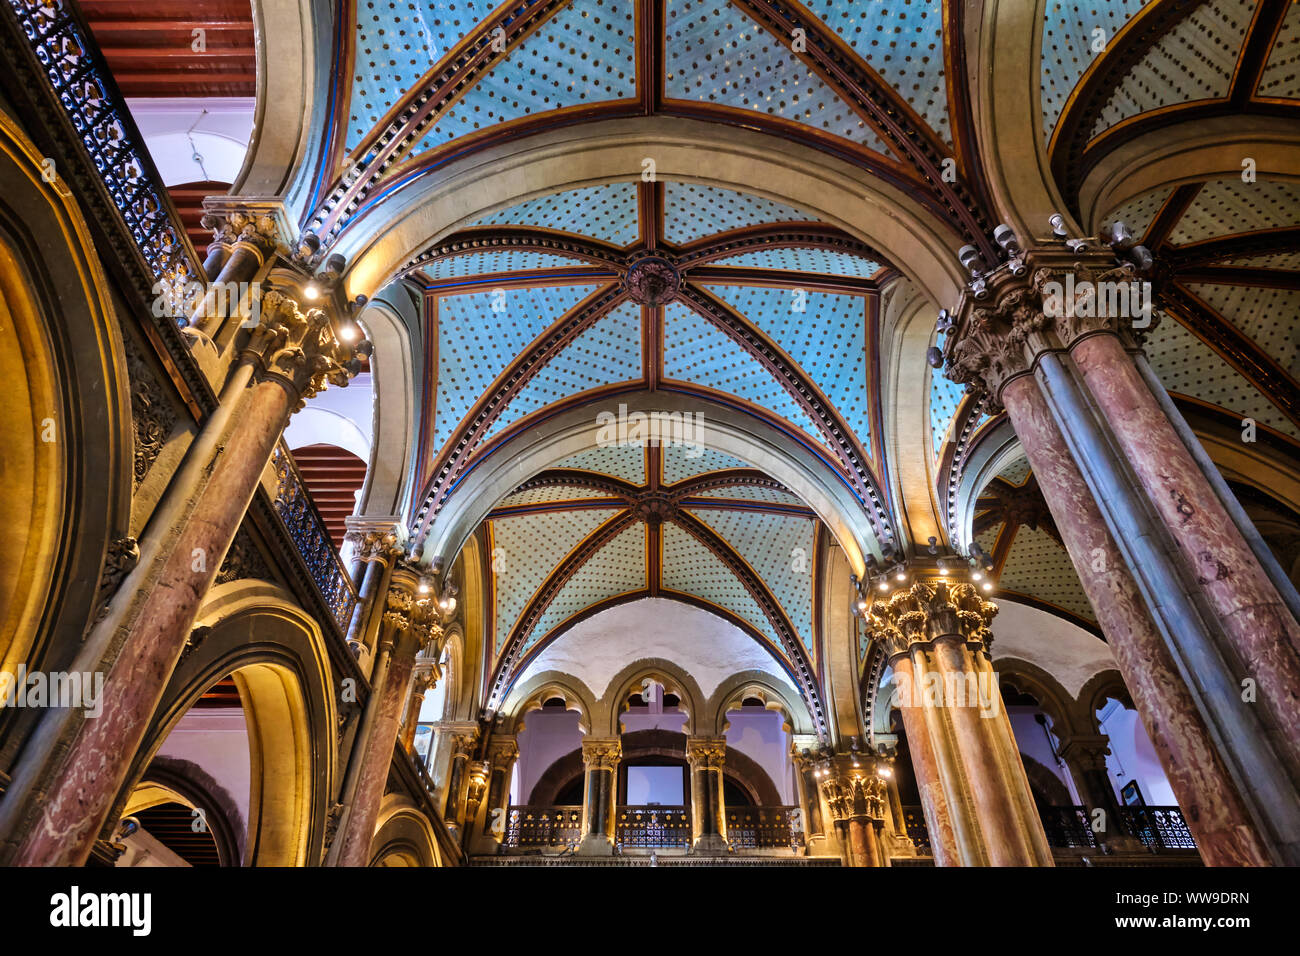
<point>854,788</point>
<point>704,753</point>
<point>299,349</point>
<point>602,753</point>
<point>927,611</point>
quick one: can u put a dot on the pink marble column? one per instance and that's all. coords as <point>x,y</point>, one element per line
<point>1210,803</point>
<point>925,768</point>
<point>372,779</point>
<point>1006,836</point>
<point>1264,636</point>
<point>82,792</point>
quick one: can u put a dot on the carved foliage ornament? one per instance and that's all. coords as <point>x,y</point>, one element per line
<point>300,349</point>
<point>925,612</point>
<point>601,753</point>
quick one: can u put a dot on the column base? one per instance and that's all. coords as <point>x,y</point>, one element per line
<point>712,843</point>
<point>596,845</point>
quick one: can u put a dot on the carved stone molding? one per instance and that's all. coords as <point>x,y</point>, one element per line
<point>706,753</point>
<point>300,349</point>
<point>243,561</point>
<point>928,611</point>
<point>602,753</point>
<point>152,416</point>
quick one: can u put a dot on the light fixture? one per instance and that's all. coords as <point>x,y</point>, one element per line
<point>900,576</point>
<point>976,576</point>
<point>424,586</point>
<point>348,333</point>
<point>883,771</point>
<point>884,585</point>
<point>311,290</point>
<point>988,585</point>
<point>862,605</point>
<point>448,604</point>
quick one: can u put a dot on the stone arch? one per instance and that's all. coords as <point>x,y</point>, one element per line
<point>753,683</point>
<point>1107,683</point>
<point>1054,699</point>
<point>403,835</point>
<point>631,679</point>
<point>430,207</point>
<point>538,689</point>
<point>66,425</point>
<point>280,662</point>
<point>169,779</point>
<point>1045,784</point>
<point>497,471</point>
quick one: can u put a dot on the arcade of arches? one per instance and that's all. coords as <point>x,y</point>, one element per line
<point>821,433</point>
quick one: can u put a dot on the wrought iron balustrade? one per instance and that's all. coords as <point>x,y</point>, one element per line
<point>917,830</point>
<point>542,826</point>
<point>1067,826</point>
<point>1159,828</point>
<point>652,827</point>
<point>307,531</point>
<point>763,828</point>
<point>61,44</point>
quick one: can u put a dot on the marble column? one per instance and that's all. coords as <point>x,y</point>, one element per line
<point>286,359</point>
<point>462,741</point>
<point>1205,790</point>
<point>943,627</point>
<point>1085,757</point>
<point>503,754</point>
<point>706,757</point>
<point>855,794</point>
<point>1262,636</point>
<point>600,758</point>
<point>925,766</point>
<point>423,680</point>
<point>410,624</point>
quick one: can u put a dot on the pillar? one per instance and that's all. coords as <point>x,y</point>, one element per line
<point>707,756</point>
<point>925,767</point>
<point>409,625</point>
<point>1011,345</point>
<point>243,241</point>
<point>600,757</point>
<point>423,680</point>
<point>855,794</point>
<point>462,738</point>
<point>503,754</point>
<point>286,359</point>
<point>943,628</point>
<point>1085,757</point>
<point>810,805</point>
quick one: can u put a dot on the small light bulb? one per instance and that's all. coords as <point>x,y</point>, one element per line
<point>988,585</point>
<point>449,604</point>
<point>311,290</point>
<point>348,333</point>
<point>900,576</point>
<point>424,587</point>
<point>884,772</point>
<point>943,572</point>
<point>976,576</point>
<point>884,585</point>
<point>862,605</point>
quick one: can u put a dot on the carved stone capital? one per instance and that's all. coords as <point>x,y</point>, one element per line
<point>602,753</point>
<point>853,787</point>
<point>299,349</point>
<point>503,750</point>
<point>1086,751</point>
<point>928,611</point>
<point>262,225</point>
<point>706,753</point>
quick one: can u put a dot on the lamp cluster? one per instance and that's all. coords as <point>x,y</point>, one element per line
<point>883,578</point>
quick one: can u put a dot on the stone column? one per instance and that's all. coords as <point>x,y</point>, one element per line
<point>243,241</point>
<point>424,679</point>
<point>925,766</point>
<point>503,753</point>
<point>377,556</point>
<point>289,357</point>
<point>1085,756</point>
<point>707,756</point>
<point>855,794</point>
<point>600,757</point>
<point>943,628</point>
<point>810,804</point>
<point>462,739</point>
<point>409,625</point>
<point>993,348</point>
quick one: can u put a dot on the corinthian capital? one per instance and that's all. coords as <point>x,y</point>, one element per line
<point>928,611</point>
<point>299,349</point>
<point>601,753</point>
<point>262,226</point>
<point>706,752</point>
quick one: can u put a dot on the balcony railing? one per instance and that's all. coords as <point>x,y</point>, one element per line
<point>652,827</point>
<point>1069,827</point>
<point>307,530</point>
<point>917,831</point>
<point>1159,828</point>
<point>763,828</point>
<point>76,71</point>
<point>539,826</point>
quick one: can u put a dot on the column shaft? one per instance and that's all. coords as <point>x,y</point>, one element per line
<point>1205,791</point>
<point>600,758</point>
<point>925,768</point>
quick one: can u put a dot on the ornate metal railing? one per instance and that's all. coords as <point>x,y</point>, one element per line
<point>76,71</point>
<point>539,826</point>
<point>917,830</point>
<point>652,827</point>
<point>1159,828</point>
<point>307,531</point>
<point>761,828</point>
<point>1067,826</point>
